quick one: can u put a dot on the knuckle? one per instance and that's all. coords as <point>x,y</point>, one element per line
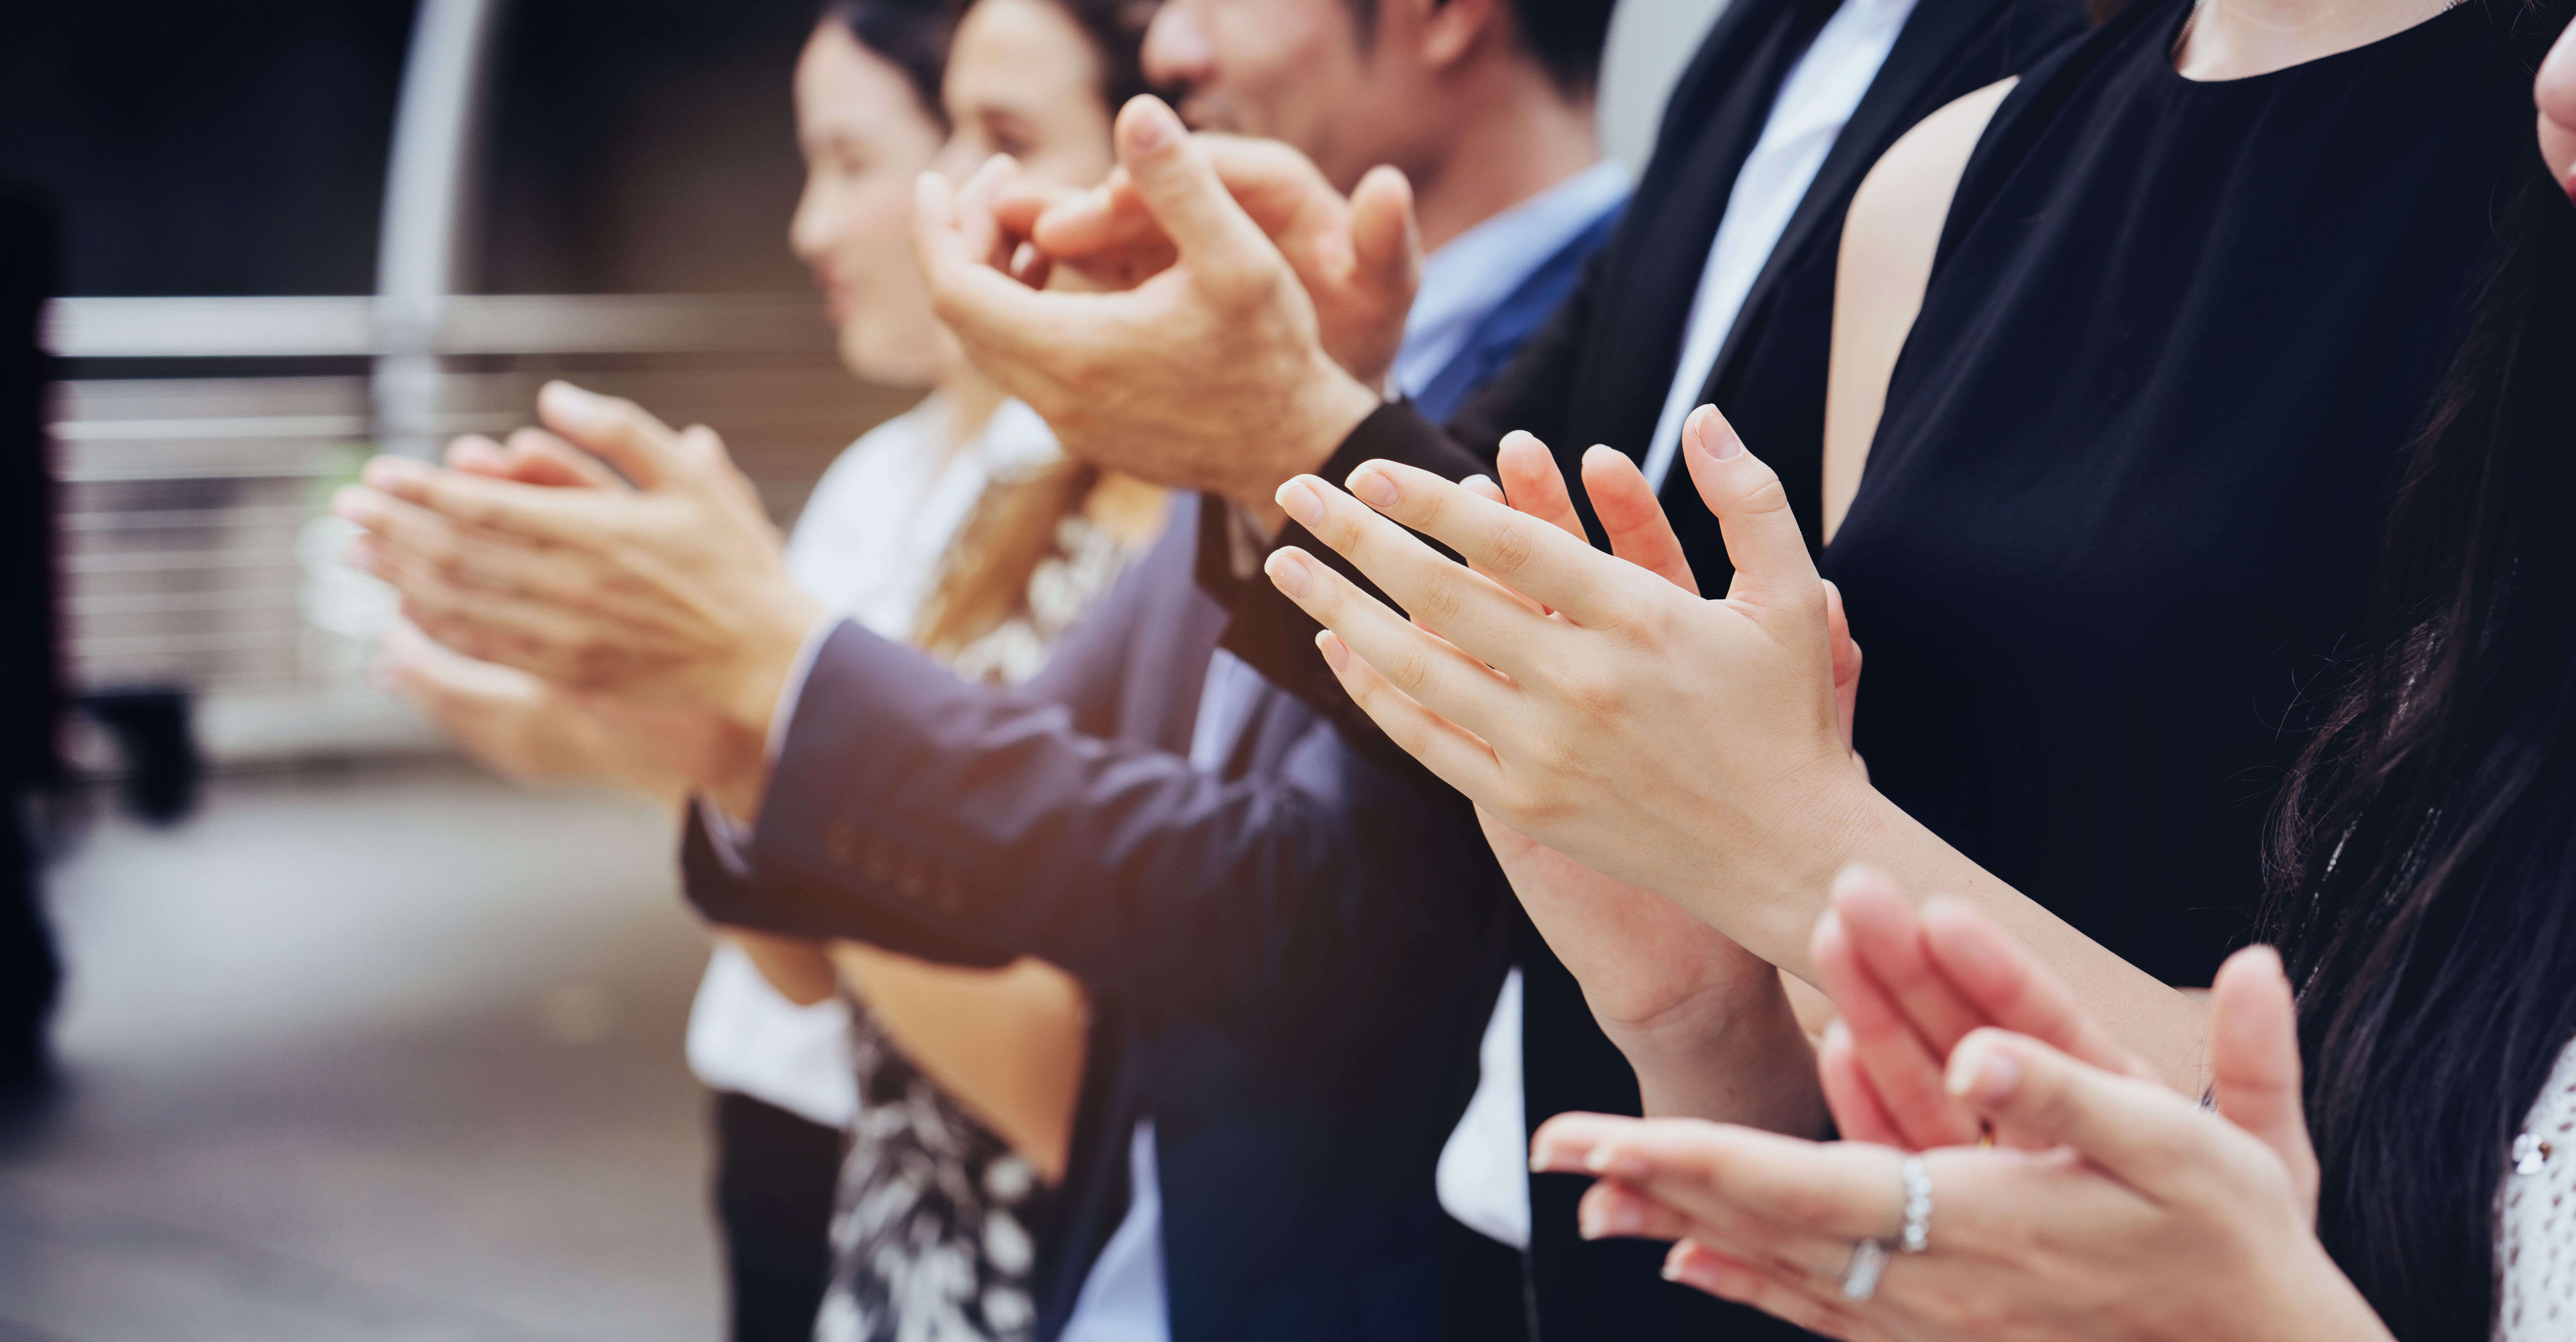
<point>1441,601</point>
<point>1511,547</point>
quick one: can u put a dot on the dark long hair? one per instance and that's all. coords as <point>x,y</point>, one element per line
<point>2424,852</point>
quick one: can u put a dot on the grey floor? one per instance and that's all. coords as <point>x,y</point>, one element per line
<point>389,1053</point>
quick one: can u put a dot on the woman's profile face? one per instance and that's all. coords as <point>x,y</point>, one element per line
<point>1024,80</point>
<point>865,137</point>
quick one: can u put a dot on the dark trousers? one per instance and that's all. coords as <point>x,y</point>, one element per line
<point>29,971</point>
<point>775,1175</point>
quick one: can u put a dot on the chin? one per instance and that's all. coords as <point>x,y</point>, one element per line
<point>875,356</point>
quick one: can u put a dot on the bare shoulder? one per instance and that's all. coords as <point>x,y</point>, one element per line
<point>1888,242</point>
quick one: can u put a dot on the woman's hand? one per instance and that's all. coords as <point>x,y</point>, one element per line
<point>1909,986</point>
<point>2140,1218</point>
<point>1673,743</point>
<point>1705,1023</point>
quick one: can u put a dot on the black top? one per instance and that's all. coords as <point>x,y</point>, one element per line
<point>2121,510</point>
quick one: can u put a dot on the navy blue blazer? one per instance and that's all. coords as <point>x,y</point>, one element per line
<point>1287,959</point>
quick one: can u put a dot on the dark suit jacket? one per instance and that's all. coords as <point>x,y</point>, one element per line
<point>1291,964</point>
<point>1597,373</point>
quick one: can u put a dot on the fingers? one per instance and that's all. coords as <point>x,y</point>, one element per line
<point>540,458</point>
<point>1386,241</point>
<point>528,512</point>
<point>1421,691</point>
<point>1889,1053</point>
<point>2012,989</point>
<point>1772,567</point>
<point>1538,560</point>
<point>1178,184</point>
<point>1831,1192</point>
<point>617,431</point>
<point>1888,939</point>
<point>2137,1131</point>
<point>2254,1059</point>
<point>1858,1113</point>
<point>1453,754</point>
<point>1706,1270</point>
<point>1470,610</point>
<point>1533,484</point>
<point>988,309</point>
<point>1632,519</point>
<point>1615,1211</point>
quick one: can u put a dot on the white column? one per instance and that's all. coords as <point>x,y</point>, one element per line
<point>428,182</point>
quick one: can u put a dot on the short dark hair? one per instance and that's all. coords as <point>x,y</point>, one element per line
<point>1566,37</point>
<point>910,35</point>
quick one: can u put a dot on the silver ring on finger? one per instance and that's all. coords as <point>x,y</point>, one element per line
<point>1860,1280</point>
<point>1917,1235</point>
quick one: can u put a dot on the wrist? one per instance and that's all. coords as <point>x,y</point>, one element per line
<point>1324,410</point>
<point>755,678</point>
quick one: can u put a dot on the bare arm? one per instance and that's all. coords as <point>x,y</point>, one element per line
<point>1888,243</point>
<point>1006,1043</point>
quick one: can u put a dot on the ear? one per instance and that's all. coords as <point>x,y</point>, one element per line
<point>1450,31</point>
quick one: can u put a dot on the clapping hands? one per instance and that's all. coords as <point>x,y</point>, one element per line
<point>2128,1214</point>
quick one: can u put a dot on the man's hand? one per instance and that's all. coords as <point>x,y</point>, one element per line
<point>1360,259</point>
<point>1212,374</point>
<point>674,593</point>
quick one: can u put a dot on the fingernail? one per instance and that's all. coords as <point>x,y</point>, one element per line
<point>568,405</point>
<point>1334,650</point>
<point>1615,1217</point>
<point>1298,499</point>
<point>1289,573</point>
<point>1154,125</point>
<point>1706,425</point>
<point>1983,1073</point>
<point>1371,486</point>
<point>1480,479</point>
<point>1611,1162</point>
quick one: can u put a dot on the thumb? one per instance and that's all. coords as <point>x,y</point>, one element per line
<point>1772,568</point>
<point>1179,186</point>
<point>1386,241</point>
<point>2254,1060</point>
<point>1846,661</point>
<point>2131,1128</point>
<point>616,431</point>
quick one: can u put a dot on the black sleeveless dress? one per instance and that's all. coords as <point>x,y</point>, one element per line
<point>2119,521</point>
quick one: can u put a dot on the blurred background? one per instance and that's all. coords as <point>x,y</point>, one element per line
<point>355,1040</point>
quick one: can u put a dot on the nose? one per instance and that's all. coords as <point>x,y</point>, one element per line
<point>809,230</point>
<point>1177,55</point>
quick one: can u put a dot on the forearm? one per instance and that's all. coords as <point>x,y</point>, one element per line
<point>1772,908</point>
<point>1007,1044</point>
<point>1735,1055</point>
<point>969,825</point>
<point>795,968</point>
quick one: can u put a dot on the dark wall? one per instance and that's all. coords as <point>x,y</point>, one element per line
<point>645,146</point>
<point>233,148</point>
<point>636,145</point>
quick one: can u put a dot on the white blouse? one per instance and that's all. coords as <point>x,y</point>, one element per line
<point>2536,1218</point>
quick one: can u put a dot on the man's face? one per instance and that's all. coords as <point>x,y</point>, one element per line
<point>1290,70</point>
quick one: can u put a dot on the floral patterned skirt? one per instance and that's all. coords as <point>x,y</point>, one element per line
<point>933,1230</point>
